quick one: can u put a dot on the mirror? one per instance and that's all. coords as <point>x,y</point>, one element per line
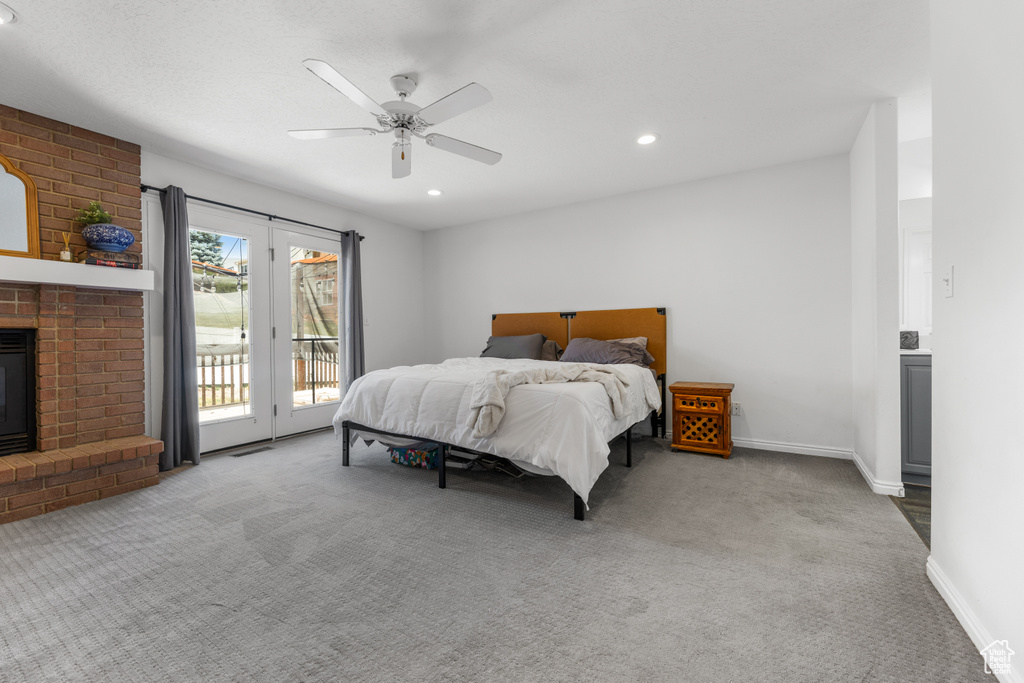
<point>19,212</point>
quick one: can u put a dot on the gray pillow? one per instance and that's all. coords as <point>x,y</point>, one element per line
<point>551,350</point>
<point>522,346</point>
<point>640,349</point>
<point>583,350</point>
<point>642,341</point>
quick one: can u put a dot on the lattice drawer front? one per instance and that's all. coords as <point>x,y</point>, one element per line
<point>705,404</point>
<point>699,428</point>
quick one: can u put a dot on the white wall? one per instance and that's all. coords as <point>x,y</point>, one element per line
<point>916,213</point>
<point>916,276</point>
<point>915,168</point>
<point>875,252</point>
<point>754,269</point>
<point>978,469</point>
<point>392,262</point>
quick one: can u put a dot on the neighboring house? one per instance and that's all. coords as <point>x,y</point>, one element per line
<point>317,278</point>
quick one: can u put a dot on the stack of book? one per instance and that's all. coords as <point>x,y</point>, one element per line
<point>114,259</point>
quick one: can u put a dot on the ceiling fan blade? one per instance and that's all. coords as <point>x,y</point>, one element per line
<point>463,149</point>
<point>460,101</point>
<point>334,79</point>
<point>319,133</point>
<point>401,160</point>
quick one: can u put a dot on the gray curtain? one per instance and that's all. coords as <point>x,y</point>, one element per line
<point>180,423</point>
<point>355,362</point>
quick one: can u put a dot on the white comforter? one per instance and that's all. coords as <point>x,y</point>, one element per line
<point>560,427</point>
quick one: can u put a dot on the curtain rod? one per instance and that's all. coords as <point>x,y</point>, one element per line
<point>146,188</point>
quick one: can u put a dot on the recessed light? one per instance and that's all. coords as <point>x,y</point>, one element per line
<point>7,15</point>
<point>435,193</point>
<point>646,139</point>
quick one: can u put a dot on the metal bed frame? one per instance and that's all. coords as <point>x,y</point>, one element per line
<point>579,509</point>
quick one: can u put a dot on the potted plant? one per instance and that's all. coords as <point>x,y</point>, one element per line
<point>100,233</point>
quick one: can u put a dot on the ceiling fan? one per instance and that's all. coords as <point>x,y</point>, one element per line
<point>404,119</point>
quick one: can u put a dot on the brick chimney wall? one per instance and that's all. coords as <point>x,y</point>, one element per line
<point>89,344</point>
<point>90,375</point>
<point>71,167</point>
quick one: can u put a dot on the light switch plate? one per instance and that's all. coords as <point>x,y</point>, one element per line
<point>947,281</point>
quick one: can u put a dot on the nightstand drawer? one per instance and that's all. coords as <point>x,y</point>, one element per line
<point>703,404</point>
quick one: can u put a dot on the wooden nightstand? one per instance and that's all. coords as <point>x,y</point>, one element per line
<point>702,417</point>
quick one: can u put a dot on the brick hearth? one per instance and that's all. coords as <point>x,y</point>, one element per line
<point>90,379</point>
<point>35,483</point>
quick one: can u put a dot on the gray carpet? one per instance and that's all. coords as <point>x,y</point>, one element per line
<point>283,565</point>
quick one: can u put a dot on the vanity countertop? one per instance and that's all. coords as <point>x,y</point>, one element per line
<point>915,352</point>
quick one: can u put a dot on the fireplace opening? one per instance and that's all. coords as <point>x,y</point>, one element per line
<point>17,391</point>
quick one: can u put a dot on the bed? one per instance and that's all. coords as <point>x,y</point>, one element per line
<point>548,418</point>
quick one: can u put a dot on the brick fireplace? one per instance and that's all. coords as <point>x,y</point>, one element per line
<point>89,407</point>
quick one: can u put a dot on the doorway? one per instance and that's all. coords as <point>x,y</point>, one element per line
<point>267,310</point>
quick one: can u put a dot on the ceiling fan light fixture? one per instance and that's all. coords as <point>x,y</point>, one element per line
<point>7,15</point>
<point>404,118</point>
<point>435,193</point>
<point>646,139</point>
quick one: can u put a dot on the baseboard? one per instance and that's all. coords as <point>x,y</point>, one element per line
<point>783,447</point>
<point>885,488</point>
<point>798,448</point>
<point>978,634</point>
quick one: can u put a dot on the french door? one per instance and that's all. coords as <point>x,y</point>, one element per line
<point>231,287</point>
<point>307,344</point>
<point>267,328</point>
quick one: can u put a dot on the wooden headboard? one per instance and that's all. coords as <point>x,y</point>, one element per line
<point>627,322</point>
<point>551,325</point>
<point>614,324</point>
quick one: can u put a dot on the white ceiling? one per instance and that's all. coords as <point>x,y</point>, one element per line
<point>727,85</point>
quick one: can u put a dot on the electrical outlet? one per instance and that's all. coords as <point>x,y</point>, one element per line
<point>737,410</point>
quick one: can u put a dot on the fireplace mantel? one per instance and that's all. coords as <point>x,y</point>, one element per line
<point>40,272</point>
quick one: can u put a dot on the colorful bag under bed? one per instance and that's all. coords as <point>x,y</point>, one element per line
<point>413,457</point>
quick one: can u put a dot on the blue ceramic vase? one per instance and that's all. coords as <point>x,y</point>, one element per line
<point>107,237</point>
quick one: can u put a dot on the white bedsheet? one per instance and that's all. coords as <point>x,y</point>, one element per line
<point>562,428</point>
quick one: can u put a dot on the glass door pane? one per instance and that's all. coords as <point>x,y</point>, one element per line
<point>220,286</point>
<point>231,277</point>
<point>313,281</point>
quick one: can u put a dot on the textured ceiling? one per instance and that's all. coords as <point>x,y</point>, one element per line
<point>727,85</point>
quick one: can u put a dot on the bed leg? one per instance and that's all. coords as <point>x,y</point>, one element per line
<point>664,408</point>
<point>442,451</point>
<point>578,508</point>
<point>629,446</point>
<point>344,445</point>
